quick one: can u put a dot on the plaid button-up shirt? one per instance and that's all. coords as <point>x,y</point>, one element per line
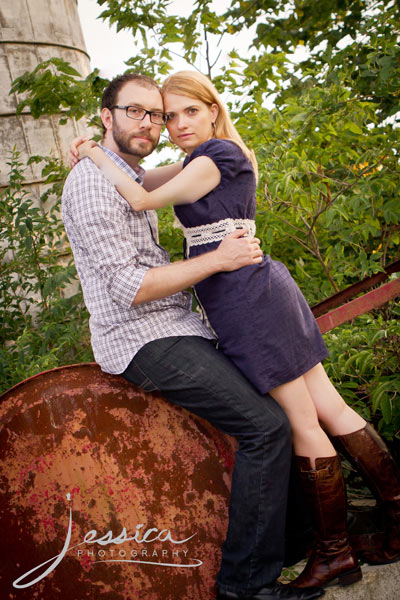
<point>113,247</point>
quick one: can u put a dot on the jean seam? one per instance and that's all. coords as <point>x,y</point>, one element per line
<point>252,569</point>
<point>146,378</point>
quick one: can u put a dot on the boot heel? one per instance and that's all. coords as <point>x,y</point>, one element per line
<point>350,577</point>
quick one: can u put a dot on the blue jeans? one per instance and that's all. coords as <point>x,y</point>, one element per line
<point>190,372</point>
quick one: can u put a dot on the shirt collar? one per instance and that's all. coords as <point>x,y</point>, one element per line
<point>137,174</point>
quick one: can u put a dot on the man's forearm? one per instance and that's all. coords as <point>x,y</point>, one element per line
<point>234,252</point>
<point>160,282</point>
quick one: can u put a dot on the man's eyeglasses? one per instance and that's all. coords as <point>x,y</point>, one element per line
<point>138,114</point>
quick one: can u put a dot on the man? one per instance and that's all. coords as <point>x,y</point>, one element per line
<point>143,328</point>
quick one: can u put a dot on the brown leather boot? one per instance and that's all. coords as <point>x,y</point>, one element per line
<point>331,558</point>
<point>369,454</point>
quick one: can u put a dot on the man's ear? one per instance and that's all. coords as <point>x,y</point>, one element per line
<point>107,119</point>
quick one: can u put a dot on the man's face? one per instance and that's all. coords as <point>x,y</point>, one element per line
<point>136,138</point>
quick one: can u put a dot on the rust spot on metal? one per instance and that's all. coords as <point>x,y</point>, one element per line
<point>141,473</point>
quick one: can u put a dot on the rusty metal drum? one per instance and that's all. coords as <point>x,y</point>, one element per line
<point>108,492</point>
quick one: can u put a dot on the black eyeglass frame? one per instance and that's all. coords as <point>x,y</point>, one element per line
<point>146,112</point>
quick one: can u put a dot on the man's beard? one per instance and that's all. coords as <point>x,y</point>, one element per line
<point>124,143</point>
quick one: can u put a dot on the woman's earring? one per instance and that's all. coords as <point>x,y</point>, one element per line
<point>214,127</point>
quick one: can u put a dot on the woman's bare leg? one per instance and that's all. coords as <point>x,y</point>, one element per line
<point>335,416</point>
<point>308,437</point>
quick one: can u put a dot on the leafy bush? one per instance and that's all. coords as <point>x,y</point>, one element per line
<point>364,364</point>
<point>42,326</point>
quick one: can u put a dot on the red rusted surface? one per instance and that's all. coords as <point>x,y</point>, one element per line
<point>359,306</point>
<point>355,289</point>
<point>131,464</point>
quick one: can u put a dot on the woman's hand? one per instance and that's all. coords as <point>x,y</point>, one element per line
<point>85,147</point>
<point>73,154</point>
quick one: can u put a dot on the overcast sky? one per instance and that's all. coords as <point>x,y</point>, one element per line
<point>107,49</point>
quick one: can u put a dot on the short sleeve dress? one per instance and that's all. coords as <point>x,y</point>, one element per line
<point>262,320</point>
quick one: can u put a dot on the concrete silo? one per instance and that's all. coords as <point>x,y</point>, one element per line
<point>33,31</point>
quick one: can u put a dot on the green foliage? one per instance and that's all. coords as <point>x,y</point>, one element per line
<point>330,185</point>
<point>42,326</point>
<point>153,21</point>
<point>170,237</point>
<point>364,364</point>
<point>356,37</point>
<point>55,87</point>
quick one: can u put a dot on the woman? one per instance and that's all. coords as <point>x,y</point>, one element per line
<point>263,322</point>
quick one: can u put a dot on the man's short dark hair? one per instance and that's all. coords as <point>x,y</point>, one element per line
<point>111,92</point>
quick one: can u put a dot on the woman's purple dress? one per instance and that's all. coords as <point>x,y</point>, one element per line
<point>263,322</point>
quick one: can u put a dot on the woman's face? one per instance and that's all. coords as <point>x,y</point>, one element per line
<point>189,121</point>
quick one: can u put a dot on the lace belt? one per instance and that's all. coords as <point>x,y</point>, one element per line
<point>215,232</point>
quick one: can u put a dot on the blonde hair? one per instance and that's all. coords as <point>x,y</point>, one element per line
<point>198,86</point>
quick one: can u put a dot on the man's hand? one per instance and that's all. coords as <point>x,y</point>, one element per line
<point>236,251</point>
